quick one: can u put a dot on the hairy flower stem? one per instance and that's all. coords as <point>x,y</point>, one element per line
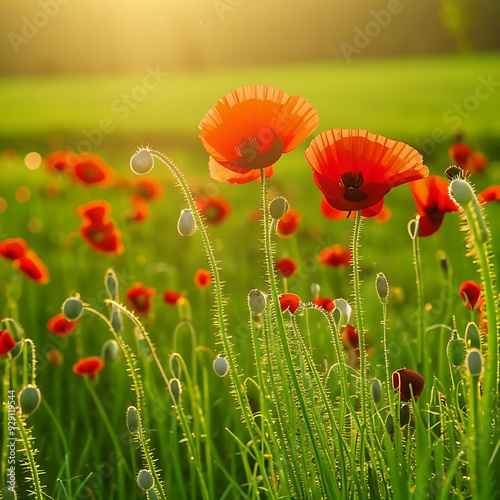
<point>239,389</point>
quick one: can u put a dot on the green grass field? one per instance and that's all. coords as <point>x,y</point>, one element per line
<point>413,100</point>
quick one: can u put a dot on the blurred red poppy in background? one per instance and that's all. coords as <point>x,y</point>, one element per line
<point>59,325</point>
<point>32,266</point>
<point>470,291</point>
<point>149,188</point>
<point>92,169</point>
<point>465,158</point>
<point>202,278</point>
<point>61,162</point>
<point>433,202</point>
<point>91,366</point>
<point>7,343</point>
<point>286,267</point>
<point>335,256</point>
<point>13,248</point>
<point>250,128</point>
<point>491,193</point>
<point>172,298</point>
<point>140,208</point>
<point>140,297</point>
<point>215,210</point>
<point>355,169</point>
<point>350,338</point>
<point>289,223</point>
<point>327,304</point>
<point>289,301</point>
<point>403,379</point>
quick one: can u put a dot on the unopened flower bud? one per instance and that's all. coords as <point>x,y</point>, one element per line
<point>315,290</point>
<point>475,362</point>
<point>142,162</point>
<point>278,207</point>
<point>221,366</point>
<point>110,350</point>
<point>72,308</point>
<point>175,365</point>
<point>116,320</point>
<point>376,391</point>
<point>111,284</point>
<point>461,191</point>
<point>186,224</point>
<point>454,172</point>
<point>456,352</point>
<point>413,228</point>
<point>152,494</point>
<point>9,494</point>
<point>344,309</point>
<point>145,480</point>
<point>132,419</point>
<point>382,286</point>
<point>256,301</point>
<point>29,399</point>
<point>389,424</point>
<point>175,390</point>
<point>404,415</point>
<point>472,336</point>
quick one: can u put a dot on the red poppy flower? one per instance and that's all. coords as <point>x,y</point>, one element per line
<point>460,155</point>
<point>355,169</point>
<point>327,304</point>
<point>483,321</point>
<point>433,201</point>
<point>289,301</point>
<point>59,325</point>
<point>350,338</point>
<point>403,378</point>
<point>88,366</point>
<point>172,298</point>
<point>215,210</point>
<point>491,193</point>
<point>92,169</point>
<point>286,267</point>
<point>139,298</point>
<point>32,266</point>
<point>7,343</point>
<point>61,162</point>
<point>335,256</point>
<point>103,238</point>
<point>289,223</point>
<point>202,278</point>
<point>478,162</point>
<point>383,216</point>
<point>149,188</point>
<point>250,128</point>
<point>332,213</point>
<point>97,211</point>
<point>13,248</point>
<point>470,292</point>
<point>55,357</point>
<point>140,209</point>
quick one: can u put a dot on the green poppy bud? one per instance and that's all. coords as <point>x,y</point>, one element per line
<point>475,362</point>
<point>29,399</point>
<point>132,419</point>
<point>221,366</point>
<point>142,162</point>
<point>278,207</point>
<point>186,224</point>
<point>461,191</point>
<point>175,390</point>
<point>152,494</point>
<point>389,424</point>
<point>404,415</point>
<point>456,352</point>
<point>116,320</point>
<point>382,286</point>
<point>110,350</point>
<point>145,480</point>
<point>111,284</point>
<point>472,336</point>
<point>256,301</point>
<point>376,391</point>
<point>72,308</point>
<point>8,494</point>
<point>175,365</point>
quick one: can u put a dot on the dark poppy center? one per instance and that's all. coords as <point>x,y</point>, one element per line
<point>352,183</point>
<point>256,153</point>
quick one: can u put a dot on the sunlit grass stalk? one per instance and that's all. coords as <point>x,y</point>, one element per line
<point>5,420</point>
<point>326,476</point>
<point>234,373</point>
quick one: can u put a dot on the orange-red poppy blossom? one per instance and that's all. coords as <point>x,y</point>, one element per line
<point>491,193</point>
<point>355,169</point>
<point>468,160</point>
<point>350,338</point>
<point>60,326</point>
<point>149,188</point>
<point>97,211</point>
<point>289,301</point>
<point>335,256</point>
<point>250,128</point>
<point>286,266</point>
<point>433,202</point>
<point>140,208</point>
<point>7,343</point>
<point>140,297</point>
<point>91,366</point>
<point>33,267</point>
<point>173,298</point>
<point>333,214</point>
<point>325,303</point>
<point>215,210</point>
<point>61,162</point>
<point>93,170</point>
<point>470,291</point>
<point>202,278</point>
<point>289,223</point>
<point>13,248</point>
<point>403,379</point>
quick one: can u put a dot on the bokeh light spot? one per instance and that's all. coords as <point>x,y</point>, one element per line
<point>33,160</point>
<point>34,225</point>
<point>23,194</point>
<point>3,205</point>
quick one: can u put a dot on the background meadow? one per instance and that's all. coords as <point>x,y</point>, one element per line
<point>419,96</point>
